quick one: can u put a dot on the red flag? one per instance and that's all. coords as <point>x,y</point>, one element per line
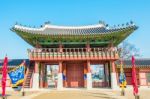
<point>134,79</point>
<point>4,75</point>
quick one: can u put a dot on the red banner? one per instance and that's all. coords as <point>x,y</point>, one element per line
<point>4,76</point>
<point>134,79</point>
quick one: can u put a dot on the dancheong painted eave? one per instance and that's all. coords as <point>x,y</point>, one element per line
<point>99,34</point>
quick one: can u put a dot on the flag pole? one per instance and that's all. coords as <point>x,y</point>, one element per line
<point>23,92</point>
<point>122,87</point>
<point>134,80</point>
<point>4,77</point>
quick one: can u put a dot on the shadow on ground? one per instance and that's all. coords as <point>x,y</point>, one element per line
<point>100,95</point>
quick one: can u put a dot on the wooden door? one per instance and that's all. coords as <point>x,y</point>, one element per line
<point>75,75</point>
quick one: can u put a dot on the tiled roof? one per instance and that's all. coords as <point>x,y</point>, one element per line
<point>141,63</point>
<point>49,29</point>
<point>14,62</point>
<point>50,35</point>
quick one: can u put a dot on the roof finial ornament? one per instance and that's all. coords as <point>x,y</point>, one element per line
<point>131,22</point>
<point>127,23</point>
<point>102,22</point>
<point>16,23</point>
<point>48,22</point>
<point>107,25</point>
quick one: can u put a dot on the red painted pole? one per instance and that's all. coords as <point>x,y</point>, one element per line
<point>4,76</point>
<point>134,79</point>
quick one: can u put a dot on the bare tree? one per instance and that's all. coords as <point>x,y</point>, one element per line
<point>126,50</point>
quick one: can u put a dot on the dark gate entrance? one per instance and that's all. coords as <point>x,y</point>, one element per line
<point>75,75</point>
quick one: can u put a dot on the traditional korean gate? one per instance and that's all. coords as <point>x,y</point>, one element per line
<point>75,75</point>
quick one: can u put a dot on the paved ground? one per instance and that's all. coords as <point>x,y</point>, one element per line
<point>77,94</point>
<point>18,95</point>
<point>143,93</point>
<point>94,94</point>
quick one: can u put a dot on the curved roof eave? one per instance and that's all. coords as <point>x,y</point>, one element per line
<point>63,30</point>
<point>32,37</point>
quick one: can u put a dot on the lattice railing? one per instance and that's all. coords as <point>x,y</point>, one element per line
<point>72,53</point>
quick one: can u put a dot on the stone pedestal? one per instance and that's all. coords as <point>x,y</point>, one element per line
<point>114,84</point>
<point>35,83</point>
<point>89,76</point>
<point>114,81</point>
<point>60,81</point>
<point>89,81</point>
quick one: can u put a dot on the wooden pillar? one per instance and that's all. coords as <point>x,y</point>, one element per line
<point>85,75</point>
<point>64,75</point>
<point>36,67</point>
<point>60,48</point>
<point>60,67</point>
<point>107,75</point>
<point>111,46</point>
<point>88,67</point>
<point>42,76</point>
<point>88,47</point>
<point>113,67</point>
<point>104,76</point>
<point>45,83</point>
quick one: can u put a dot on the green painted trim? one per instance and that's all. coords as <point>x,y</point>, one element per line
<point>95,39</point>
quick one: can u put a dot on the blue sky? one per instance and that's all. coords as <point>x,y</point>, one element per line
<point>71,12</point>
